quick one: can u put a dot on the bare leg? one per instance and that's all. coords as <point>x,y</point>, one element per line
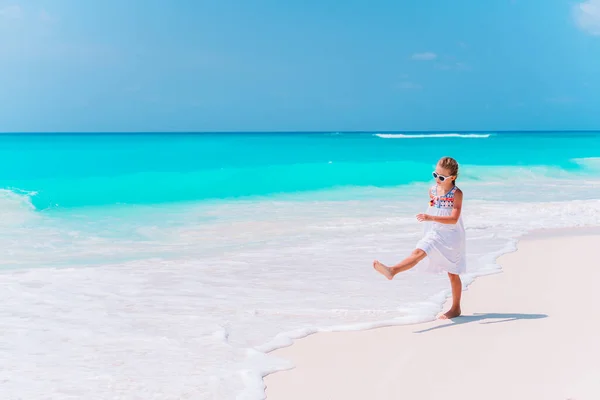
<point>389,272</point>
<point>454,311</point>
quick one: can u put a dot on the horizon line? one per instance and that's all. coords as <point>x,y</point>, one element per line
<point>488,131</point>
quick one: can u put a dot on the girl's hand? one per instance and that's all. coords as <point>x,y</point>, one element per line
<point>423,217</point>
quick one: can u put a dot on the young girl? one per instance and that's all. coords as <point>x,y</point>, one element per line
<point>443,243</point>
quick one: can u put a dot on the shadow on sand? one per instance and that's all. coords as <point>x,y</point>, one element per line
<point>498,317</point>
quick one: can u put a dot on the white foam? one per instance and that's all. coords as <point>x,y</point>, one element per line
<point>591,163</point>
<point>16,207</point>
<point>184,301</point>
<point>432,135</point>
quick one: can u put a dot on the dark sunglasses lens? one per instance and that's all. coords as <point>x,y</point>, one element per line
<point>441,178</point>
<point>435,175</point>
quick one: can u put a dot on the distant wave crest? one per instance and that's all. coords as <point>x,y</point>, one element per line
<point>433,135</point>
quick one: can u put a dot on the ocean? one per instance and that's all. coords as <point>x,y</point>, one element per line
<point>166,266</point>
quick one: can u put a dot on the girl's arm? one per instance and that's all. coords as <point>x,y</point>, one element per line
<point>450,219</point>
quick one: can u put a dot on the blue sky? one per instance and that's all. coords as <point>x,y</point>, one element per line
<point>221,65</point>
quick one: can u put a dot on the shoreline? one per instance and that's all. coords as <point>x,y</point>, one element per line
<point>316,365</point>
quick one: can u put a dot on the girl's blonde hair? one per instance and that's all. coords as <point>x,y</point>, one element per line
<point>451,165</point>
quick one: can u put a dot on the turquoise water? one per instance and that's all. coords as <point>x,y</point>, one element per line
<point>167,265</point>
<point>95,170</point>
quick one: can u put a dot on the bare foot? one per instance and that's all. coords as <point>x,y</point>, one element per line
<point>382,269</point>
<point>451,313</point>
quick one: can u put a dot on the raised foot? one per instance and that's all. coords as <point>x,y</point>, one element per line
<point>382,269</point>
<point>451,313</point>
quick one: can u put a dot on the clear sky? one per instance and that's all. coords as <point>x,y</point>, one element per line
<point>223,65</point>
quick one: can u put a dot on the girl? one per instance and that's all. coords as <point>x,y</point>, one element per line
<point>444,240</point>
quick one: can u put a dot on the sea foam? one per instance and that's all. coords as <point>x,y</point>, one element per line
<point>432,135</point>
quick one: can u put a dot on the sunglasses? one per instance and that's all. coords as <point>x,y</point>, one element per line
<point>442,178</point>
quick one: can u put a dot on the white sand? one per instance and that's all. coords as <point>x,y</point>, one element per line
<point>529,333</point>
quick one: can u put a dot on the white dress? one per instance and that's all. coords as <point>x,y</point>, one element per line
<point>443,243</point>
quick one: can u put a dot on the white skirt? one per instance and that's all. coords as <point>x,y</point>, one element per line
<point>444,244</point>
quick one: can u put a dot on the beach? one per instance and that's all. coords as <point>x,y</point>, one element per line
<point>528,332</point>
<point>171,265</point>
<point>193,197</point>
